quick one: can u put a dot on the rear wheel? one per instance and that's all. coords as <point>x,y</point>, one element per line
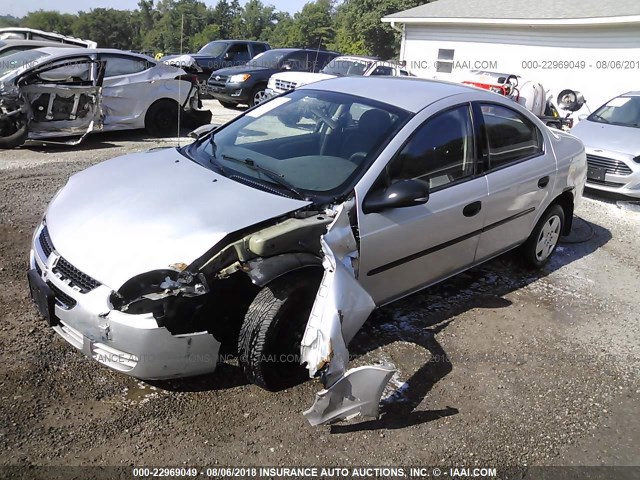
<point>544,239</point>
<point>270,336</point>
<point>162,118</point>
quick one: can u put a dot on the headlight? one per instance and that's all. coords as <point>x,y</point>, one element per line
<point>239,78</point>
<point>145,293</point>
<point>637,159</point>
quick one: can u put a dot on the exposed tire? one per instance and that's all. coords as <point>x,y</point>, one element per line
<point>162,118</point>
<point>258,95</point>
<point>13,134</point>
<point>544,238</point>
<point>227,104</point>
<point>270,336</point>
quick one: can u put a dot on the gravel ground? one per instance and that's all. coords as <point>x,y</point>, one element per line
<point>497,366</point>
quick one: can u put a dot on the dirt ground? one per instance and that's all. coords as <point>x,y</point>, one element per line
<point>498,366</point>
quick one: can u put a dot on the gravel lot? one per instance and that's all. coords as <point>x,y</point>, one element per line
<point>497,366</point>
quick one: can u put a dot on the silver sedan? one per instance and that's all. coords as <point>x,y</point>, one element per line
<point>276,239</point>
<point>611,136</point>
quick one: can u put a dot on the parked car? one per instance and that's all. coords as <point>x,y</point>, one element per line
<point>56,92</point>
<point>347,65</point>
<point>216,55</point>
<point>21,33</point>
<point>611,135</point>
<point>8,47</point>
<point>386,186</point>
<point>246,84</point>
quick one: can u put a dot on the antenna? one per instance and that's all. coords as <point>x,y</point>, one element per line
<point>180,81</point>
<point>315,63</point>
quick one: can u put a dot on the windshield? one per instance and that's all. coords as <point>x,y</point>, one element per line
<point>19,59</point>
<point>268,59</point>
<point>346,67</point>
<point>214,49</point>
<point>622,111</point>
<point>314,142</point>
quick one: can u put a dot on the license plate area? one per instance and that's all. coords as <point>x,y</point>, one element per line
<point>43,297</point>
<point>596,173</point>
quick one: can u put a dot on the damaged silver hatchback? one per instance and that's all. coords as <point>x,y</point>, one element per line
<point>276,235</point>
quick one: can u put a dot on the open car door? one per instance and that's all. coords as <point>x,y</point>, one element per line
<point>64,97</point>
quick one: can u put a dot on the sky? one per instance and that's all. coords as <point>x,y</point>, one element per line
<point>19,8</point>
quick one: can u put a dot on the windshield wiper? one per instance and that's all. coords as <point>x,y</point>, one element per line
<point>270,174</point>
<point>601,118</point>
<point>212,158</point>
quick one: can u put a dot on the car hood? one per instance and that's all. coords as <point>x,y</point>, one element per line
<point>147,211</point>
<point>613,138</point>
<point>227,72</point>
<point>302,78</point>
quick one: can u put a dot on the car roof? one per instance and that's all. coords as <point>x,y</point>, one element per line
<point>9,42</point>
<point>54,52</point>
<point>411,94</point>
<point>635,93</point>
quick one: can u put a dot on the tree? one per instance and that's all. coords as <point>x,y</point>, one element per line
<point>360,31</point>
<point>256,20</point>
<point>314,25</point>
<point>108,27</point>
<point>49,21</point>
<point>211,32</point>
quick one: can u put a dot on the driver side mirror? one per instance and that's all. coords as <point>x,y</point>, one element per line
<point>404,193</point>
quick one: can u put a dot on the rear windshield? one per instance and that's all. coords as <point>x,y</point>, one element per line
<point>18,60</point>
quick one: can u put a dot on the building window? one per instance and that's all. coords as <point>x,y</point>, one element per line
<point>445,60</point>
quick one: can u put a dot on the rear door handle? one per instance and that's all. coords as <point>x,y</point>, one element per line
<point>543,182</point>
<point>472,209</point>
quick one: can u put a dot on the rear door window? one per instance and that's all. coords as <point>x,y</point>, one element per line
<point>511,136</point>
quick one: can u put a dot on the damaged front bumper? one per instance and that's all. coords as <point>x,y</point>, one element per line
<point>130,344</point>
<point>340,309</point>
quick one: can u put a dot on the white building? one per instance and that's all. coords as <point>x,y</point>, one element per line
<point>592,46</point>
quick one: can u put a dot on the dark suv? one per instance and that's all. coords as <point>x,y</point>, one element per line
<point>217,54</point>
<point>246,84</point>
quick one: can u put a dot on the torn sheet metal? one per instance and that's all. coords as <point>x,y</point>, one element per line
<point>340,309</point>
<point>357,393</point>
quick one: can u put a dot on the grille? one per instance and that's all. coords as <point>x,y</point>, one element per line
<point>78,279</point>
<point>64,300</point>
<point>45,242</point>
<point>284,85</point>
<point>219,82</point>
<point>605,183</point>
<point>611,166</point>
<point>67,271</point>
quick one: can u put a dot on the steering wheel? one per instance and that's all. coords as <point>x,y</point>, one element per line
<point>357,157</point>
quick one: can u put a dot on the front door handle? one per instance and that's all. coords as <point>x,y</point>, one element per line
<point>472,209</point>
<point>543,182</point>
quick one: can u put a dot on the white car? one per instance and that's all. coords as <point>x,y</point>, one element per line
<point>345,66</point>
<point>57,92</point>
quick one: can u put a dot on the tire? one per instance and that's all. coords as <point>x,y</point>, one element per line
<point>544,238</point>
<point>257,96</point>
<point>270,336</point>
<point>227,104</point>
<point>161,119</point>
<point>14,134</point>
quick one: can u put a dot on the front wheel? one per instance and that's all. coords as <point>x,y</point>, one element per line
<point>162,118</point>
<point>258,95</point>
<point>270,336</point>
<point>544,239</point>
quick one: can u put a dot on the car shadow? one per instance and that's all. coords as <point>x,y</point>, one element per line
<point>418,319</point>
<point>226,376</point>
